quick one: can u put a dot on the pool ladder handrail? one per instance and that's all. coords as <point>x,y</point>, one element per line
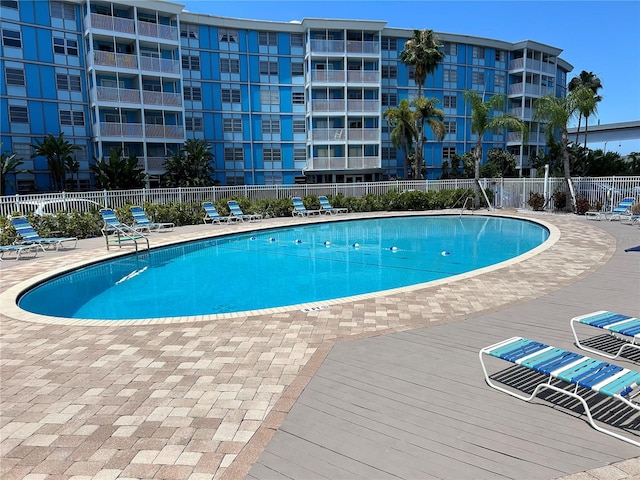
<point>124,233</point>
<point>464,205</point>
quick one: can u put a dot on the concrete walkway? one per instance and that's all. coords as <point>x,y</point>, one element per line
<point>197,398</point>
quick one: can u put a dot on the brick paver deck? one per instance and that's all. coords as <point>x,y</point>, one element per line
<point>184,399</point>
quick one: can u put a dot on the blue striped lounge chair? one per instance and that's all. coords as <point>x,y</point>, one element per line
<point>211,214</point>
<point>140,218</point>
<point>237,212</point>
<point>623,327</point>
<point>622,209</point>
<point>326,207</point>
<point>27,235</point>
<point>565,373</point>
<point>299,210</point>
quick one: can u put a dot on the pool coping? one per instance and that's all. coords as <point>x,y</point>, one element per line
<point>10,296</point>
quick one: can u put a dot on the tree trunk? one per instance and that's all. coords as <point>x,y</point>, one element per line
<point>567,164</point>
<point>586,129</point>
<point>578,130</point>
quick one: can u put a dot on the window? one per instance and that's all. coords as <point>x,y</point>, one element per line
<point>191,62</point>
<point>193,94</point>
<point>389,99</point>
<point>389,153</point>
<point>9,4</point>
<point>501,56</point>
<point>499,80</point>
<point>450,75</point>
<point>450,101</point>
<point>448,152</point>
<point>232,125</point>
<point>297,98</point>
<point>297,69</point>
<point>269,97</point>
<point>73,118</point>
<point>188,30</point>
<point>389,71</point>
<point>389,43</point>
<point>478,52</point>
<point>18,114</point>
<point>229,65</point>
<point>450,126</point>
<point>267,38</point>
<point>15,77</point>
<point>65,46</point>
<point>11,38</point>
<point>297,40</point>
<point>268,67</point>
<point>412,71</point>
<point>70,83</point>
<point>299,126</point>
<point>233,154</point>
<point>271,126</point>
<point>451,49</point>
<point>229,35</point>
<point>230,95</point>
<point>65,11</point>
<point>299,154</point>
<point>272,155</point>
<point>193,124</point>
<point>477,77</point>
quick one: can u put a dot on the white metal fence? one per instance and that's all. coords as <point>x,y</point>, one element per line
<point>507,193</point>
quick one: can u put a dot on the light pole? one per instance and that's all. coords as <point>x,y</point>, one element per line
<point>604,150</point>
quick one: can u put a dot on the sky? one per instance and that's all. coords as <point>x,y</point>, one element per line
<point>602,37</point>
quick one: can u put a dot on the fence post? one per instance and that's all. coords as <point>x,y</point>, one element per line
<point>64,201</point>
<point>105,202</point>
<point>144,196</point>
<point>179,194</point>
<point>17,206</point>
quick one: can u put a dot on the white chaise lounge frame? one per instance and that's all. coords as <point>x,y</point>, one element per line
<point>575,369</point>
<point>623,327</point>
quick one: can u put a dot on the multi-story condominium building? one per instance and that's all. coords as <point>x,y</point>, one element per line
<point>278,101</point>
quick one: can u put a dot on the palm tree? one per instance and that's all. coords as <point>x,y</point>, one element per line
<point>483,119</point>
<point>422,51</point>
<point>118,173</point>
<point>591,81</point>
<point>556,113</point>
<point>8,164</point>
<point>404,129</point>
<point>191,166</point>
<point>57,151</point>
<point>427,112</point>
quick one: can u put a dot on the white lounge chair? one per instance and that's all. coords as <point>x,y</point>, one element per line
<point>299,210</point>
<point>140,218</point>
<point>622,327</point>
<point>237,212</point>
<point>28,236</point>
<point>328,209</point>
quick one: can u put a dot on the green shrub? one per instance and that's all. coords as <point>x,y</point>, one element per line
<point>536,201</point>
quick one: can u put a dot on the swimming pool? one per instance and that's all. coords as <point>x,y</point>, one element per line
<point>283,267</point>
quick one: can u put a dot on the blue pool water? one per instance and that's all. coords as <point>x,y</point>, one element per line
<point>281,267</point>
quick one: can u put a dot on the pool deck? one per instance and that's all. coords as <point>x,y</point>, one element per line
<point>379,387</point>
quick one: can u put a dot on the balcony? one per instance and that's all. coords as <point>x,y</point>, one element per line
<point>112,60</point>
<point>360,163</point>
<point>161,65</point>
<point>522,113</point>
<point>115,95</point>
<point>363,76</point>
<point>368,106</point>
<point>128,26</point>
<point>154,166</point>
<point>368,47</point>
<point>326,105</point>
<point>328,76</point>
<point>526,88</point>
<point>327,134</point>
<point>364,134</point>
<point>327,46</point>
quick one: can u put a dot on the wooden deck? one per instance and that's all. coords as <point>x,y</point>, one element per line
<point>415,405</point>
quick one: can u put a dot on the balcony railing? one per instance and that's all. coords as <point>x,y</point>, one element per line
<point>163,65</point>
<point>116,129</point>
<point>363,134</point>
<point>328,76</point>
<point>523,113</point>
<point>162,98</point>
<point>369,47</point>
<point>328,134</point>
<point>115,95</point>
<point>327,46</point>
<point>155,165</point>
<point>164,131</point>
<point>528,88</point>
<point>112,59</point>
<point>326,105</point>
<point>363,76</point>
<point>358,105</point>
<point>344,163</point>
<point>155,30</point>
